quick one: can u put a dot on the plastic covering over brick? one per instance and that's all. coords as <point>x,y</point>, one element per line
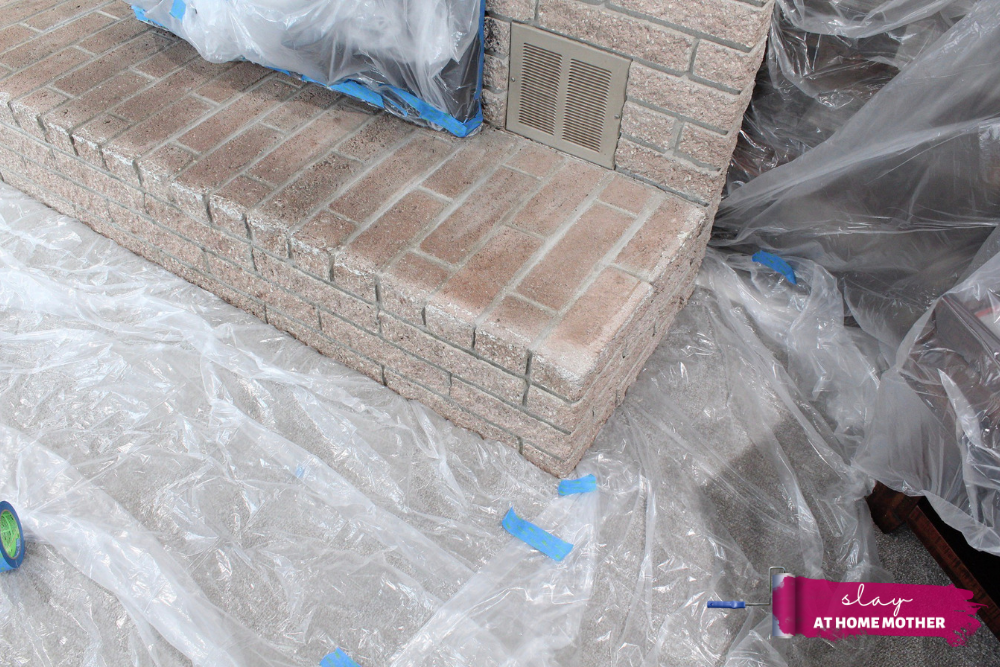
<point>198,488</point>
<point>421,60</point>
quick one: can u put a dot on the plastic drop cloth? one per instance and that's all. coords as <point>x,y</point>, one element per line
<point>198,488</point>
<point>418,59</point>
<point>900,204</point>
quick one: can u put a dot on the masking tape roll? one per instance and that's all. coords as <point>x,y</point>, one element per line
<point>11,538</point>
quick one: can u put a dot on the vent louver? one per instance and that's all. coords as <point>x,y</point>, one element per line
<point>566,94</point>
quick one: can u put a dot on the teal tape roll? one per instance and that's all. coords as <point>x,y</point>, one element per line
<point>11,539</point>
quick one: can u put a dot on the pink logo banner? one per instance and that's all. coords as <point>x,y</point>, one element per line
<point>832,610</point>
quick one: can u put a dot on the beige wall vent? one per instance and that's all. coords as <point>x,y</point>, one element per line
<point>566,94</point>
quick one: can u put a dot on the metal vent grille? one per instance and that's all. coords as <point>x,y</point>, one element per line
<point>566,94</point>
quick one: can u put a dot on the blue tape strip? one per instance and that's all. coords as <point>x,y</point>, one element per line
<point>177,9</point>
<point>338,659</point>
<point>585,484</point>
<point>533,536</point>
<point>726,604</point>
<point>774,262</point>
<point>12,561</point>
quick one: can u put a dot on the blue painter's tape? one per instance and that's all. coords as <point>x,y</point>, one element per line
<point>585,484</point>
<point>533,536</point>
<point>726,604</point>
<point>338,659</point>
<point>11,538</point>
<point>774,262</point>
<point>177,9</point>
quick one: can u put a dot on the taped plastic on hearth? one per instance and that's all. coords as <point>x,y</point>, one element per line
<point>418,59</point>
<point>199,488</point>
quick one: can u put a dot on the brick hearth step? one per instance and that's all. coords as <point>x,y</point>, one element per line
<point>513,289</point>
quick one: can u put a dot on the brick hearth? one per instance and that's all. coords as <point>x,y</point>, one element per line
<point>515,290</point>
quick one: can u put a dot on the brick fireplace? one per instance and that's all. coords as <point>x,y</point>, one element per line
<point>512,288</point>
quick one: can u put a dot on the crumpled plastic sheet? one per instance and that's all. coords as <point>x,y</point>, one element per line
<point>943,397</point>
<point>900,205</point>
<point>898,201</point>
<point>198,488</point>
<point>825,60</point>
<point>421,59</point>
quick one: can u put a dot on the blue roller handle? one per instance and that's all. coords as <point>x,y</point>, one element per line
<point>727,604</point>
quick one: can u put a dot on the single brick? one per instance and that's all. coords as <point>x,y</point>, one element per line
<point>178,55</point>
<point>159,169</point>
<point>618,32</point>
<point>627,194</point>
<point>470,163</point>
<point>27,110</point>
<point>462,230</point>
<point>453,311</point>
<point>648,125</point>
<point>313,245</point>
<point>495,108</point>
<point>726,19</point>
<point>395,173</point>
<point>519,10</point>
<point>373,139</point>
<point>380,242</point>
<point>707,146</point>
<point>497,36</point>
<point>506,333</point>
<point>696,182</point>
<point>495,72</point>
<point>535,159</point>
<point>234,79</point>
<point>558,276</point>
<point>308,145</point>
<point>556,201</point>
<point>730,67</point>
<point>228,207</point>
<point>406,285</point>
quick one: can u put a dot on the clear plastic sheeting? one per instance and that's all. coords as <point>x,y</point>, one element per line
<point>198,488</point>
<point>938,412</point>
<point>418,59</point>
<point>898,201</point>
<point>825,60</point>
